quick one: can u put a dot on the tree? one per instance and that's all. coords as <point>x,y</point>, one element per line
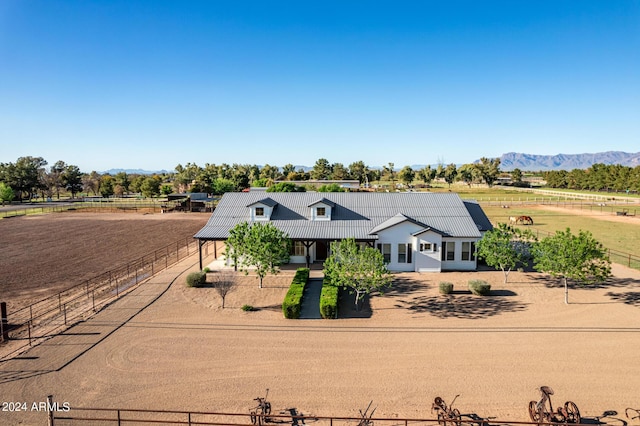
<point>361,269</point>
<point>224,282</point>
<point>577,257</point>
<point>450,173</point>
<point>221,185</point>
<point>427,175</point>
<point>286,187</point>
<point>91,182</point>
<point>321,170</point>
<point>24,176</point>
<point>6,193</point>
<point>489,169</point>
<point>467,174</point>
<point>235,246</point>
<point>505,247</point>
<point>407,175</point>
<point>359,171</point>
<point>72,179</point>
<point>516,175</point>
<point>106,186</point>
<point>332,187</point>
<point>339,171</point>
<point>151,186</point>
<point>265,248</point>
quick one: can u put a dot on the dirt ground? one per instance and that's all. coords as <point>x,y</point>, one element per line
<point>44,254</point>
<point>412,344</point>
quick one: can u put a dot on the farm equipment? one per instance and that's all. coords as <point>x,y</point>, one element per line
<point>365,417</point>
<point>260,413</point>
<point>631,411</point>
<point>447,415</point>
<point>542,410</point>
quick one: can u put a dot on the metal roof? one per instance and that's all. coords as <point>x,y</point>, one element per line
<point>354,214</point>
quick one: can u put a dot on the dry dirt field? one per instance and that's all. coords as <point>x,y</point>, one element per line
<point>183,352</point>
<point>44,254</point>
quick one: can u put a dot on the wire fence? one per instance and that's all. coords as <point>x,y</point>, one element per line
<point>53,314</point>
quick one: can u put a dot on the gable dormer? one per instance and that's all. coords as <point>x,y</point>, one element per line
<point>262,209</point>
<point>321,209</point>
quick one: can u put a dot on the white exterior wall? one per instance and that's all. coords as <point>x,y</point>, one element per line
<point>458,264</point>
<point>399,234</point>
<point>428,261</point>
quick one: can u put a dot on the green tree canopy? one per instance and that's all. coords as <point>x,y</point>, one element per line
<point>505,247</point>
<point>332,187</point>
<point>260,246</point>
<point>360,269</point>
<point>286,187</point>
<point>576,257</point>
<point>6,193</point>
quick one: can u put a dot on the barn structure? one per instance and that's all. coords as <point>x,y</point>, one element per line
<point>415,231</point>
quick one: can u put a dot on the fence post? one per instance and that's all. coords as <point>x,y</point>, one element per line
<point>93,297</point>
<point>50,410</point>
<point>65,314</point>
<point>4,332</point>
<point>29,331</point>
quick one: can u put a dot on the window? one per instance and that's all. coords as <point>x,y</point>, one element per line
<point>468,251</point>
<point>297,249</point>
<point>404,253</point>
<point>321,212</point>
<point>448,250</point>
<point>425,247</point>
<point>385,249</point>
<point>260,211</point>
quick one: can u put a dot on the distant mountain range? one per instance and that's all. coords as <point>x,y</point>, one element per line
<point>513,160</point>
<point>508,162</point>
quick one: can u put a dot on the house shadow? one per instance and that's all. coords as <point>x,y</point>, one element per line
<point>465,306</point>
<point>347,306</point>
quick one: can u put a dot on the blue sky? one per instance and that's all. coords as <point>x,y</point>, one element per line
<point>151,84</point>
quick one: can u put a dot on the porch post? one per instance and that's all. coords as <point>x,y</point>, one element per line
<point>307,245</point>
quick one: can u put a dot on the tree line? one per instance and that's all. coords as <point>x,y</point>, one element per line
<point>29,177</point>
<point>598,177</point>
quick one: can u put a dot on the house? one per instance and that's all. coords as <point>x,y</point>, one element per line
<point>415,231</point>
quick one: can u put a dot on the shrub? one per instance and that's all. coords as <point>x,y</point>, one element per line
<point>206,270</point>
<point>446,287</point>
<point>479,287</point>
<point>292,303</point>
<point>248,308</point>
<point>196,279</point>
<point>329,300</point>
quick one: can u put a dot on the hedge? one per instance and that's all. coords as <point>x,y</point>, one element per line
<point>479,287</point>
<point>329,300</point>
<point>293,300</point>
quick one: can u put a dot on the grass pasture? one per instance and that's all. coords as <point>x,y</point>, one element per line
<point>620,234</point>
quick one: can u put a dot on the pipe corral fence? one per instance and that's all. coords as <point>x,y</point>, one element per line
<point>54,314</point>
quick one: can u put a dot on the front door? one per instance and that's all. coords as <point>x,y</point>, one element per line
<point>321,250</point>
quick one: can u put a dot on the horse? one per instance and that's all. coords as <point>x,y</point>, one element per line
<point>513,219</point>
<point>525,220</point>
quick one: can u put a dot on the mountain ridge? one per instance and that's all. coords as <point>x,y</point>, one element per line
<point>534,162</point>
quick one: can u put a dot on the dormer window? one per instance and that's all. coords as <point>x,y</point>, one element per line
<point>262,209</point>
<point>321,209</point>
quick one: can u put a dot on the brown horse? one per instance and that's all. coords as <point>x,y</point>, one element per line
<point>525,220</point>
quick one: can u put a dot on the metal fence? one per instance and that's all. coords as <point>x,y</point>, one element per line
<point>112,416</point>
<point>106,205</point>
<point>55,313</point>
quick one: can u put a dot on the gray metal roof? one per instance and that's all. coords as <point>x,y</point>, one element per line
<point>354,214</point>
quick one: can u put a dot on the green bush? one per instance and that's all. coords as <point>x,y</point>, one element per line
<point>292,303</point>
<point>329,300</point>
<point>446,288</point>
<point>479,287</point>
<point>248,308</point>
<point>196,279</point>
<point>206,270</point>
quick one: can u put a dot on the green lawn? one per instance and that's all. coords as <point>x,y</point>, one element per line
<point>623,237</point>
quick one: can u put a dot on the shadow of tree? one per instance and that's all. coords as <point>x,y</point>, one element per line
<point>554,282</point>
<point>347,305</point>
<point>403,285</point>
<point>629,298</point>
<point>463,306</point>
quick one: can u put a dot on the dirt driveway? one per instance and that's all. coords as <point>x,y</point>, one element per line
<point>186,353</point>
